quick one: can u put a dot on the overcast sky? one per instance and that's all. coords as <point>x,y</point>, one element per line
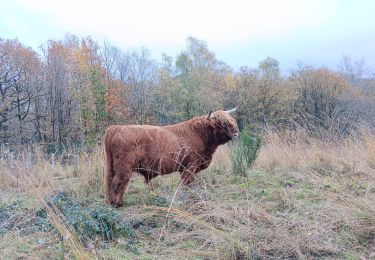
<point>316,32</point>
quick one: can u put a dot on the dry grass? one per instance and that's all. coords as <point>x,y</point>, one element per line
<point>296,151</point>
<point>303,199</point>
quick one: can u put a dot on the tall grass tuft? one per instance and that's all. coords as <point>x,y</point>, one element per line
<point>245,151</point>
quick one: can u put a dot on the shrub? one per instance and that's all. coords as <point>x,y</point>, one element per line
<point>245,151</point>
<point>90,222</point>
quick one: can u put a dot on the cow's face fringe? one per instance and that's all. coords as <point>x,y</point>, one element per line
<point>226,126</point>
<point>215,129</point>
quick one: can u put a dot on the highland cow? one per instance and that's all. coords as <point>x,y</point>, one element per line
<point>185,147</point>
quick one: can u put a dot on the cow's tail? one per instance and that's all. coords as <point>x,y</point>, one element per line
<point>108,166</point>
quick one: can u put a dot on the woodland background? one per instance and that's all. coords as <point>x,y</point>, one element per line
<point>67,92</point>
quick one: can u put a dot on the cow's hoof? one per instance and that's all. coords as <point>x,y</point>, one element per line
<point>119,204</point>
<point>188,184</point>
<point>114,203</point>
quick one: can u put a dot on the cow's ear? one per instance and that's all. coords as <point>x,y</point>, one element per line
<point>210,115</point>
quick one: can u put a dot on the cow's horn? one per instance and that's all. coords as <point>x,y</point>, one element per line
<point>232,110</point>
<point>210,115</point>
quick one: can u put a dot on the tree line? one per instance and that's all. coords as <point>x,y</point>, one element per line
<point>72,89</point>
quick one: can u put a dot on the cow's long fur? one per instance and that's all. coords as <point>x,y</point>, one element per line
<point>185,147</point>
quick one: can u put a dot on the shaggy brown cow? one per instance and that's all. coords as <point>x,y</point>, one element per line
<point>186,147</point>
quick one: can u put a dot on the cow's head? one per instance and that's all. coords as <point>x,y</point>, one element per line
<point>225,124</point>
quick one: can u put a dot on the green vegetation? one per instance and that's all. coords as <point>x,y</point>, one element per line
<point>245,151</point>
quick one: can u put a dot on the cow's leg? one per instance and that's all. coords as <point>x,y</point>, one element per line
<point>187,176</point>
<point>110,197</point>
<point>121,179</point>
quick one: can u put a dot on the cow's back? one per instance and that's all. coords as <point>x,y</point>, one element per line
<point>147,148</point>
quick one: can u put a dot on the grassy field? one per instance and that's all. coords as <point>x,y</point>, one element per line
<point>300,200</point>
